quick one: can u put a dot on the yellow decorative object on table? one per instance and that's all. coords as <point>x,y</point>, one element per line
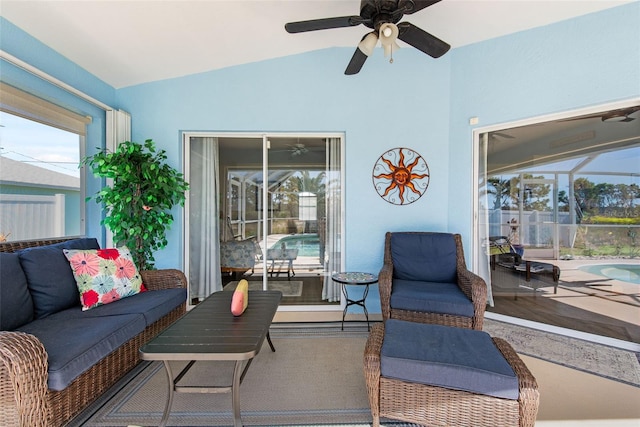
<point>240,299</point>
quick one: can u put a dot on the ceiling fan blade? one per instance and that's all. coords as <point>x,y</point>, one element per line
<point>323,24</point>
<point>413,6</point>
<point>357,61</point>
<point>619,115</point>
<point>421,40</point>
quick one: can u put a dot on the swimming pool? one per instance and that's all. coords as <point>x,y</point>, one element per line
<point>307,244</point>
<point>625,272</point>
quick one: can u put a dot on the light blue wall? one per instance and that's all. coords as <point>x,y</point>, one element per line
<point>591,60</point>
<point>417,102</point>
<point>26,48</point>
<point>382,108</point>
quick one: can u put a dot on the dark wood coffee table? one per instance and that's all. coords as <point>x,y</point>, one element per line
<point>210,332</point>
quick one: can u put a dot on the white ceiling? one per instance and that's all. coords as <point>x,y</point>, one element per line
<point>128,42</point>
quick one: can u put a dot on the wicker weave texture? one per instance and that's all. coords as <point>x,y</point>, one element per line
<point>25,399</point>
<point>438,406</point>
<point>22,402</point>
<point>433,318</point>
<point>473,286</point>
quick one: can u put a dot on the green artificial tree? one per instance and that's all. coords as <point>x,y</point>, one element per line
<point>139,202</point>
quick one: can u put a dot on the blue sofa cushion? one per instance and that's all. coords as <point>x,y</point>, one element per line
<point>152,305</point>
<point>16,306</point>
<point>49,275</point>
<point>73,345</point>
<point>443,356</point>
<point>429,257</point>
<point>430,297</point>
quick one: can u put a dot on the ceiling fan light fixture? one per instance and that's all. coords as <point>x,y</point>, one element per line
<point>368,43</point>
<point>388,36</point>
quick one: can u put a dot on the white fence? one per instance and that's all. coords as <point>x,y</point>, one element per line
<point>544,237</point>
<point>536,228</point>
<point>28,216</point>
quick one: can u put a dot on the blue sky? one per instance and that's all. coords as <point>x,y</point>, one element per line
<point>39,145</point>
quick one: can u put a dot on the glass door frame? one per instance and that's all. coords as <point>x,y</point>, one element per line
<point>479,256</point>
<point>265,218</point>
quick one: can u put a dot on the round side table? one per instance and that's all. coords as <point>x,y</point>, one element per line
<point>359,279</point>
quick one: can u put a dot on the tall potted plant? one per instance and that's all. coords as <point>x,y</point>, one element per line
<point>139,202</point>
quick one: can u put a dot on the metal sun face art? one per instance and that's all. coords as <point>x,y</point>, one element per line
<point>401,176</point>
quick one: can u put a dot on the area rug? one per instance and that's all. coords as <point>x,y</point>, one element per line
<point>310,378</point>
<point>289,288</point>
<point>605,361</point>
<point>315,377</point>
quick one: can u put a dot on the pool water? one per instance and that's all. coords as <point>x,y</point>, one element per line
<point>307,244</point>
<point>625,272</point>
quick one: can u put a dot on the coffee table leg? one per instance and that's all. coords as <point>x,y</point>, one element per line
<point>235,393</point>
<point>269,341</point>
<point>167,408</point>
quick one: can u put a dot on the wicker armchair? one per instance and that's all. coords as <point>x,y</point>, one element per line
<point>25,399</point>
<point>438,406</point>
<point>416,251</point>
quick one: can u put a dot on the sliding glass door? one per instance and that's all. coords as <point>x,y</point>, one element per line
<point>266,208</point>
<point>557,221</point>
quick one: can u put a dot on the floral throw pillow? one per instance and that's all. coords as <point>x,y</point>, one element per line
<point>104,275</point>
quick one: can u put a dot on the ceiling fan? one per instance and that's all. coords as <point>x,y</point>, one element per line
<point>383,16</point>
<point>620,115</point>
<point>294,150</point>
<point>298,149</point>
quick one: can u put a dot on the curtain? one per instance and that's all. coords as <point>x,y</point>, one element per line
<point>484,215</point>
<point>118,130</point>
<point>332,258</point>
<point>204,222</point>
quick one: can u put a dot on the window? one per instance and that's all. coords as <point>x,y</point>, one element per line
<point>41,145</point>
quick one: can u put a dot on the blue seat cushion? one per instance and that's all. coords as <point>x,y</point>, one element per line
<point>429,257</point>
<point>430,297</point>
<point>16,305</point>
<point>444,356</point>
<point>74,345</point>
<point>153,305</point>
<point>49,275</point>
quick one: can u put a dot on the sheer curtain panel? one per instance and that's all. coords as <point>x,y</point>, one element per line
<point>204,223</point>
<point>333,255</point>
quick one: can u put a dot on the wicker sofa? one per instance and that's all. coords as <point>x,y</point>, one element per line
<point>35,390</point>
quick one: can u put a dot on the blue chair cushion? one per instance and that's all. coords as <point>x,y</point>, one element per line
<point>16,305</point>
<point>444,356</point>
<point>73,345</point>
<point>429,257</point>
<point>49,275</point>
<point>430,297</point>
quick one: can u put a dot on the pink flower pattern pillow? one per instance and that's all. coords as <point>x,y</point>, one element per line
<point>104,275</point>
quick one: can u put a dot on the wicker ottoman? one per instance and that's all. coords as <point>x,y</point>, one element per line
<point>437,405</point>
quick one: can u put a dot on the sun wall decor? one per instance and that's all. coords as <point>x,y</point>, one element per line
<point>401,176</point>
